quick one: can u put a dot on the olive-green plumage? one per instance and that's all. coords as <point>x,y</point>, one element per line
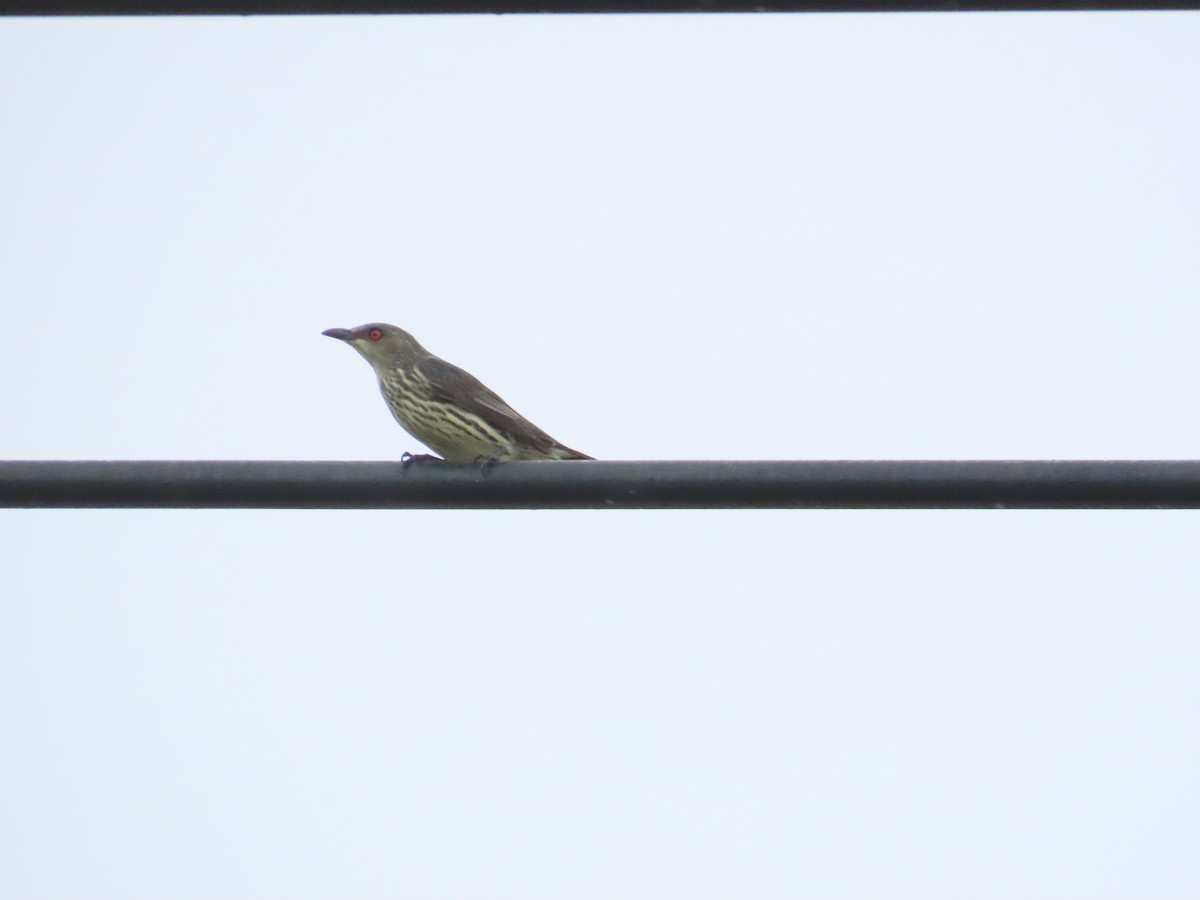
<point>444,407</point>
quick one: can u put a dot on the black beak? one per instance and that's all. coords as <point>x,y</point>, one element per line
<point>342,334</point>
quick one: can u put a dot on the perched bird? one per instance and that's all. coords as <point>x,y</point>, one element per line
<point>444,407</point>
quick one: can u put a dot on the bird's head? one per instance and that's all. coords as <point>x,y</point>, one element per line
<point>381,344</point>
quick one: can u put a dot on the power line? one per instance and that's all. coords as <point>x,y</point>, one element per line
<point>1038,484</point>
<point>336,7</point>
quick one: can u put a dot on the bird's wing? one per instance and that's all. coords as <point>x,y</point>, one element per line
<point>453,385</point>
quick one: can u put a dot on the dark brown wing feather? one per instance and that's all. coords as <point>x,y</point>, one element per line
<point>453,385</point>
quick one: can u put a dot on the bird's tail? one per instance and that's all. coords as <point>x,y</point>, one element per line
<point>558,451</point>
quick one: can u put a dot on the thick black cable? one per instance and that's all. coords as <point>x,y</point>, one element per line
<point>602,485</point>
<point>495,7</point>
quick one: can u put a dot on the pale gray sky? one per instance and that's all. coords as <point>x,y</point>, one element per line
<point>774,237</point>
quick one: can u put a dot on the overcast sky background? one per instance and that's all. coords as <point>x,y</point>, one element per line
<point>760,237</point>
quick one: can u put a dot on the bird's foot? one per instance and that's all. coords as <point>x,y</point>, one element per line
<point>407,459</point>
<point>485,463</point>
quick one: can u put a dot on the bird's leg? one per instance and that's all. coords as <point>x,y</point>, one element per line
<point>407,459</point>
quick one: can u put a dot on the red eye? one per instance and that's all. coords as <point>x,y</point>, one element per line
<point>375,334</point>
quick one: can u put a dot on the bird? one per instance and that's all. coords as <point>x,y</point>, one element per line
<point>444,407</point>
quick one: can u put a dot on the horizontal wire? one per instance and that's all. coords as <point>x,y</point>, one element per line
<point>425,484</point>
<point>336,7</point>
